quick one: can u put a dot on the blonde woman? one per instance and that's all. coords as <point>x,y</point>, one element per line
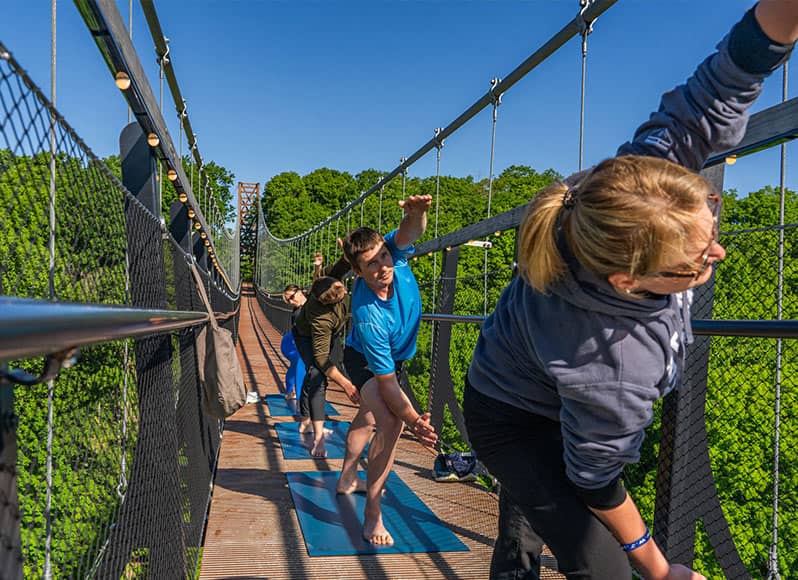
<point>568,367</point>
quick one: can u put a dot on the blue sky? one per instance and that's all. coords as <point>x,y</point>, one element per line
<point>297,85</point>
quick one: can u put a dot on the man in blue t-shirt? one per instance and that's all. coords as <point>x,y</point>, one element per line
<point>386,314</point>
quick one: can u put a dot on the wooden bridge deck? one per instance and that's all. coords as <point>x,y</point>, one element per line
<point>252,530</point>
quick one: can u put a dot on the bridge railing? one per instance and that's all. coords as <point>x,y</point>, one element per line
<point>111,461</point>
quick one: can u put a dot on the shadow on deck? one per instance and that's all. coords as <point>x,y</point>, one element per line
<point>253,531</point>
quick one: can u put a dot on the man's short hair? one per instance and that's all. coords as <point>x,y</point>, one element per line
<point>328,290</point>
<point>359,241</point>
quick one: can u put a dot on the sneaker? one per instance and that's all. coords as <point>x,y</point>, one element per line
<point>455,466</point>
<point>253,397</point>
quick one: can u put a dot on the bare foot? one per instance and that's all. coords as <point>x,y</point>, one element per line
<point>326,432</point>
<point>318,450</point>
<point>305,427</point>
<point>375,532</point>
<point>290,396</point>
<point>356,486</point>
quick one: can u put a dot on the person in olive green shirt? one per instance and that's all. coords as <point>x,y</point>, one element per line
<point>316,329</point>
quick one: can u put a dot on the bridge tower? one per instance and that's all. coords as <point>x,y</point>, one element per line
<point>248,195</point>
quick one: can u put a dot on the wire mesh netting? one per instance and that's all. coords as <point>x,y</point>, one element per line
<point>123,487</point>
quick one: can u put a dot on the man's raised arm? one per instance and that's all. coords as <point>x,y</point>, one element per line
<point>414,221</point>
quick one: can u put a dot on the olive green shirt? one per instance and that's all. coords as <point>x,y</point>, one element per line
<point>322,322</point>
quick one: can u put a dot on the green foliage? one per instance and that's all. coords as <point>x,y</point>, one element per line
<point>89,266</point>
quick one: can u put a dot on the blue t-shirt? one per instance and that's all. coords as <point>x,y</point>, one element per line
<point>385,331</point>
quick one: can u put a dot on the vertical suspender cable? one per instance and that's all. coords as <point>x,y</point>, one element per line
<point>182,118</point>
<point>303,269</point>
<point>497,99</point>
<point>382,190</point>
<point>362,203</point>
<point>162,59</point>
<point>47,573</point>
<point>585,29</point>
<point>121,488</point>
<point>130,32</point>
<point>404,176</point>
<point>438,147</point>
<point>773,553</point>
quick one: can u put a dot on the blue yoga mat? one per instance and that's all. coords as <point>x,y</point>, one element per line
<point>332,524</point>
<point>279,407</point>
<point>296,446</point>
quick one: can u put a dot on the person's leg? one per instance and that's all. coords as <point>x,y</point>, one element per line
<point>358,436</point>
<point>516,553</point>
<point>288,350</point>
<point>524,452</point>
<point>299,374</point>
<point>318,398</point>
<point>381,455</point>
<point>290,379</point>
<point>360,429</point>
<point>304,407</point>
<point>305,349</point>
<point>293,376</point>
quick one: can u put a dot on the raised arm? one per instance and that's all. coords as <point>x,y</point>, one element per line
<point>318,260</point>
<point>414,221</point>
<point>778,19</point>
<point>709,112</point>
<point>337,269</point>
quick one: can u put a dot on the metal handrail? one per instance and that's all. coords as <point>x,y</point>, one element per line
<point>704,327</point>
<point>30,328</point>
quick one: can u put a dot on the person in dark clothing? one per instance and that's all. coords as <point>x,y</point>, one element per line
<point>567,368</point>
<point>316,330</point>
<point>295,374</point>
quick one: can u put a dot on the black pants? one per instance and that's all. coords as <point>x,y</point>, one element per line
<point>314,388</point>
<point>537,503</point>
<point>359,371</point>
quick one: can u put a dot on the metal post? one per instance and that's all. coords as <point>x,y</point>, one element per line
<point>441,388</point>
<point>152,503</point>
<point>11,554</point>
<point>685,484</point>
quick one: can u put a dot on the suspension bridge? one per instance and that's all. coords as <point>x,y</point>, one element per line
<point>109,467</point>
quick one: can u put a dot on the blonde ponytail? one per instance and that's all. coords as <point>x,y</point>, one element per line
<point>629,214</point>
<point>540,262</point>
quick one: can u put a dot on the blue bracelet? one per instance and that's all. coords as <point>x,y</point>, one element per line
<point>638,542</point>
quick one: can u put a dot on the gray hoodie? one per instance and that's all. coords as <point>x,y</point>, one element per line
<point>583,354</point>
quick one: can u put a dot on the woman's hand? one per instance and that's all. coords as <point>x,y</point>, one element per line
<point>351,392</point>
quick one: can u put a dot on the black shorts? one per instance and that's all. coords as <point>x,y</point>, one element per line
<point>357,367</point>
